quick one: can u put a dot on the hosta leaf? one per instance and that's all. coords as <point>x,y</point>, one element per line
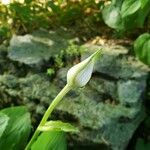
<point>142,14</point>
<point>142,48</point>
<point>129,7</point>
<point>144,3</point>
<point>58,126</point>
<point>112,17</point>
<point>146,53</point>
<point>3,123</point>
<point>51,140</point>
<point>18,129</point>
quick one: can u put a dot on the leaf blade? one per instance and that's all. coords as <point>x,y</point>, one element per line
<point>18,128</point>
<point>142,48</point>
<point>3,123</point>
<point>112,17</point>
<point>144,3</point>
<point>129,7</point>
<point>50,140</point>
<point>58,126</point>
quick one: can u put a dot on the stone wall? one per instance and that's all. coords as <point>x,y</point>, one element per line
<point>107,111</point>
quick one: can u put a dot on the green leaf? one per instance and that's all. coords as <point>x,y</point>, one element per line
<point>4,31</point>
<point>144,3</point>
<point>146,53</point>
<point>142,48</point>
<point>18,129</point>
<point>58,126</point>
<point>55,8</point>
<point>112,17</point>
<point>130,7</point>
<point>50,71</point>
<point>142,14</point>
<point>51,140</point>
<point>3,123</point>
<point>142,145</point>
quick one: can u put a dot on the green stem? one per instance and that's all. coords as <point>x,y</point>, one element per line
<point>48,112</point>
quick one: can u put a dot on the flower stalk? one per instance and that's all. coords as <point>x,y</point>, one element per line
<point>48,112</point>
<point>77,76</point>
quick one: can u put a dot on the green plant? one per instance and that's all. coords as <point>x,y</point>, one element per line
<point>67,56</point>
<point>142,48</point>
<point>50,71</point>
<point>21,18</point>
<point>142,145</point>
<point>15,122</point>
<point>15,127</point>
<point>77,76</point>
<point>126,14</point>
<point>72,52</point>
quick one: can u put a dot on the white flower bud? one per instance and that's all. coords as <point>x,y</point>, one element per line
<point>80,74</point>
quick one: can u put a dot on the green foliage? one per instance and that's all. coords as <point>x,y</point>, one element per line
<point>4,32</point>
<point>53,136</point>
<point>70,12</point>
<point>50,71</point>
<point>112,17</point>
<point>73,50</point>
<point>51,140</point>
<point>129,7</point>
<point>66,56</point>
<point>72,53</point>
<point>15,128</point>
<point>3,123</point>
<point>142,48</point>
<point>144,3</point>
<point>142,145</point>
<point>58,126</point>
<point>21,18</point>
<point>126,14</point>
<point>24,17</point>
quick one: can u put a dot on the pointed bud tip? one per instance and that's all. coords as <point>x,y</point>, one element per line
<point>80,74</point>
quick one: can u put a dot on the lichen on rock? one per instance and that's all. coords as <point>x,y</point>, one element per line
<point>107,111</point>
<point>38,47</point>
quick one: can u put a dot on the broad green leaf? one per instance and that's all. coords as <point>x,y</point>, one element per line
<point>129,7</point>
<point>142,48</point>
<point>144,3</point>
<point>142,14</point>
<point>3,123</point>
<point>137,19</point>
<point>146,52</point>
<point>18,129</point>
<point>112,17</point>
<point>130,22</point>
<point>58,126</point>
<point>138,44</point>
<point>51,140</point>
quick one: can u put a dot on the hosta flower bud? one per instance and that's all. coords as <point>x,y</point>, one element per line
<point>81,73</point>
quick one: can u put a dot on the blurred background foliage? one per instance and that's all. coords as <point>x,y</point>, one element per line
<point>23,16</point>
